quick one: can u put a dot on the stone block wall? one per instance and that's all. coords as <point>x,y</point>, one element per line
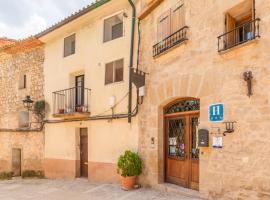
<point>195,69</point>
<point>13,64</point>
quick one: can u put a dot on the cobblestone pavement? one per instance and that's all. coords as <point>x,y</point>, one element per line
<point>76,190</point>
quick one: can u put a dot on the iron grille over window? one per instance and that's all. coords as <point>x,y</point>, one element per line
<point>171,41</point>
<point>183,106</point>
<point>239,35</point>
<point>171,28</point>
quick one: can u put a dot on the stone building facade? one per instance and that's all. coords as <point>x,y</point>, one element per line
<point>190,72</point>
<point>195,69</point>
<point>21,74</point>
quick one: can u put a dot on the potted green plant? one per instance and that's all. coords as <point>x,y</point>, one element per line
<point>129,167</point>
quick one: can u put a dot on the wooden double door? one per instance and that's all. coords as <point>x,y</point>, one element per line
<point>182,152</point>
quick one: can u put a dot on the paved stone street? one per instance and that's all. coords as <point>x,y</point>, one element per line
<point>76,190</point>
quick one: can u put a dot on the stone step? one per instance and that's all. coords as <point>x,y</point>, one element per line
<point>171,188</point>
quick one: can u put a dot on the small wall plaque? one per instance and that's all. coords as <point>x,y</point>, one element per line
<point>217,142</point>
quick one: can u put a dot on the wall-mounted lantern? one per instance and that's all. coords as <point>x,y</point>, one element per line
<point>229,127</point>
<point>28,103</point>
<point>248,78</point>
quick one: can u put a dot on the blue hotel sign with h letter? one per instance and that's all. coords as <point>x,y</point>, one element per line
<point>216,112</point>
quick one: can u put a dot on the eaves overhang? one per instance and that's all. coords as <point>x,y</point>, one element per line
<point>72,17</point>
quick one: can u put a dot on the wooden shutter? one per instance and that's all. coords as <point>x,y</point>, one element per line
<point>177,17</point>
<point>109,73</point>
<point>230,25</point>
<point>253,26</point>
<point>119,70</point>
<point>164,26</point>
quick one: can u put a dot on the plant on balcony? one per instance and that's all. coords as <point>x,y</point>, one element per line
<point>129,167</point>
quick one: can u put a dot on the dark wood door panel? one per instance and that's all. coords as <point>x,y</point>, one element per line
<point>84,152</point>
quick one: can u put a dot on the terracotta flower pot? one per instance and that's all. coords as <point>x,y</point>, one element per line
<point>128,182</point>
<point>79,109</point>
<point>61,111</point>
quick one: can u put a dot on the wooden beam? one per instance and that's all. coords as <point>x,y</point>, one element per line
<point>149,8</point>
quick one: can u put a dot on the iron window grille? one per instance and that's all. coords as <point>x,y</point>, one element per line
<point>239,35</point>
<point>170,41</point>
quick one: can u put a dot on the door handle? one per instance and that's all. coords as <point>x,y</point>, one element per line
<point>86,163</point>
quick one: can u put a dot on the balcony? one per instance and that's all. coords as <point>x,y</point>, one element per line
<point>71,103</point>
<point>239,35</point>
<point>170,42</point>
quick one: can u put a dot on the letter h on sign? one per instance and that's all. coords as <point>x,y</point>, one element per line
<point>216,112</point>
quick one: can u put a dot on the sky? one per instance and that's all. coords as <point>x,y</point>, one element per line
<point>22,18</point>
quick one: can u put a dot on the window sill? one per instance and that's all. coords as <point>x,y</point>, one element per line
<point>106,42</point>
<point>114,84</point>
<point>69,55</point>
<point>249,42</point>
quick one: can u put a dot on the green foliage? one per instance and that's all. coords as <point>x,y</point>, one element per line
<point>129,164</point>
<point>33,174</point>
<point>39,109</point>
<point>6,175</point>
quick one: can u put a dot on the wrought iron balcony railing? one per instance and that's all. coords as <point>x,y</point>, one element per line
<point>70,101</point>
<point>239,35</point>
<point>170,41</point>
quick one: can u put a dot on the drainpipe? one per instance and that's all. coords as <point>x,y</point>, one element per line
<point>131,59</point>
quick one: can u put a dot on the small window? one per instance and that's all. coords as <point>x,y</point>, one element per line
<point>22,81</point>
<point>113,28</point>
<point>23,119</point>
<point>69,45</point>
<point>238,23</point>
<point>114,71</point>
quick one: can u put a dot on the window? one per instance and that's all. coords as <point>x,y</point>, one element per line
<point>22,81</point>
<point>69,45</point>
<point>23,119</point>
<point>113,28</point>
<point>240,26</point>
<point>114,71</point>
<point>171,21</point>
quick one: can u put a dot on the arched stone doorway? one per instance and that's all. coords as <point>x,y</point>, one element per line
<point>181,152</point>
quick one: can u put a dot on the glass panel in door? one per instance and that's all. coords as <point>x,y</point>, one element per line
<point>79,91</point>
<point>176,138</point>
